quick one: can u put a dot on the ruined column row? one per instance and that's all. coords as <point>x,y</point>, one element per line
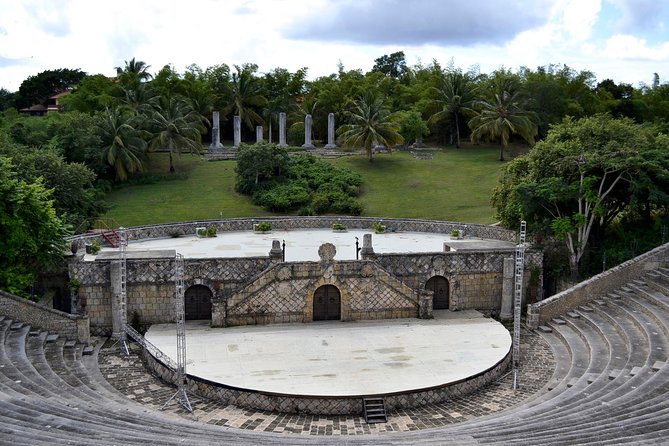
<point>216,145</point>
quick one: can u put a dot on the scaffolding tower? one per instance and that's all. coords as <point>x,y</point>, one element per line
<point>518,299</point>
<point>123,292</point>
<point>181,379</point>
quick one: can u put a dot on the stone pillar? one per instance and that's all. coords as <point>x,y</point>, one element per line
<point>308,123</point>
<point>116,307</point>
<point>215,145</point>
<point>276,253</point>
<point>506,312</point>
<point>282,130</point>
<point>237,130</point>
<point>331,132</point>
<point>367,251</point>
<point>258,133</point>
<point>425,300</point>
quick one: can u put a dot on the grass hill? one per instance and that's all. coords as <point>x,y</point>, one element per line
<point>455,185</point>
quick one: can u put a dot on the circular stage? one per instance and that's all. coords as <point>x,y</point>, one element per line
<point>344,359</point>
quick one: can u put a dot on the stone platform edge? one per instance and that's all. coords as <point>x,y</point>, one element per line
<point>322,405</point>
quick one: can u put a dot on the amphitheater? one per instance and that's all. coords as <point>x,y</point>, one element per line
<point>593,370</point>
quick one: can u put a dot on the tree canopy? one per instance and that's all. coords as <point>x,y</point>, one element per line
<point>31,234</point>
<point>585,173</point>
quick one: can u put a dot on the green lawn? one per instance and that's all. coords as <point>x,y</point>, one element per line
<point>455,185</point>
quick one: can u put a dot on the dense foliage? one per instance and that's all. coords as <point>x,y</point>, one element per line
<point>283,183</point>
<point>584,177</point>
<point>31,234</point>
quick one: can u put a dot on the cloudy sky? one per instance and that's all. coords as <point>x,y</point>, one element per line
<point>624,40</point>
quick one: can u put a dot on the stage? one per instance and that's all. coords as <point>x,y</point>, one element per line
<point>343,359</point>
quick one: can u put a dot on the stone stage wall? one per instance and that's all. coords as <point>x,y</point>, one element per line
<point>318,405</point>
<point>260,290</point>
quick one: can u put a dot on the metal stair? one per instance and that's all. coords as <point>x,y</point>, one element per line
<point>374,410</point>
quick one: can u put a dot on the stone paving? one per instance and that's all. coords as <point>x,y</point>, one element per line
<point>128,376</point>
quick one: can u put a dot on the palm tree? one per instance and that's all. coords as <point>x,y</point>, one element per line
<point>370,123</point>
<point>175,126</point>
<point>133,73</point>
<point>244,95</point>
<point>501,118</point>
<point>124,149</point>
<point>455,96</point>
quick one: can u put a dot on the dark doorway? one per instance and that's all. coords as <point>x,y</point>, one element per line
<point>197,302</point>
<point>439,285</point>
<point>327,303</point>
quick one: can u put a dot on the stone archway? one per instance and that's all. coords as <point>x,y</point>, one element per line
<point>440,286</point>
<point>327,303</point>
<point>197,302</point>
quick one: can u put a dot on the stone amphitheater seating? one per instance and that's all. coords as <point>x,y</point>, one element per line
<point>610,386</point>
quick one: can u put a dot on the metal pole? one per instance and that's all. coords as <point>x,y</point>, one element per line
<point>518,299</point>
<point>357,249</point>
<point>283,251</point>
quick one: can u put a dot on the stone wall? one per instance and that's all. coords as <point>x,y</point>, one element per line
<point>321,405</point>
<point>246,224</point>
<point>595,287</point>
<point>47,319</point>
<point>285,293</point>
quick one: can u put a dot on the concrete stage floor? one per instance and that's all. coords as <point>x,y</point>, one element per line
<point>341,358</point>
<point>303,244</point>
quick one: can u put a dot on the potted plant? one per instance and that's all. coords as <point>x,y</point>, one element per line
<point>339,227</point>
<point>262,227</point>
<point>379,228</point>
<point>95,247</point>
<point>211,231</point>
<point>456,234</point>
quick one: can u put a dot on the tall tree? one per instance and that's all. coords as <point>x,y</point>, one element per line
<point>32,234</point>
<point>133,73</point>
<point>244,95</point>
<point>584,173</point>
<point>455,97</point>
<point>175,126</point>
<point>502,117</point>
<point>37,89</point>
<point>370,123</point>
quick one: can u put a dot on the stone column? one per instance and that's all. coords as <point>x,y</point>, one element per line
<point>237,130</point>
<point>331,132</point>
<point>282,130</point>
<point>308,123</point>
<point>425,301</point>
<point>367,251</point>
<point>215,133</point>
<point>116,307</point>
<point>506,312</point>
<point>258,133</point>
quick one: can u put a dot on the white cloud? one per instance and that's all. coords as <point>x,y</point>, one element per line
<point>96,37</point>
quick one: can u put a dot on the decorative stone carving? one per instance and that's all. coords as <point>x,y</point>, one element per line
<point>367,248</point>
<point>308,124</point>
<point>276,252</point>
<point>327,252</point>
<point>506,312</point>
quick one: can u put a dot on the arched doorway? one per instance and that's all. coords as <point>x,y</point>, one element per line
<point>439,285</point>
<point>327,303</point>
<point>197,302</point>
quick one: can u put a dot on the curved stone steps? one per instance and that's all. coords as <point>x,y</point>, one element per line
<point>562,413</point>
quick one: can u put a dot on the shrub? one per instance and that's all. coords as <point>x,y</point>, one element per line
<point>263,227</point>
<point>379,228</point>
<point>211,231</point>
<point>95,247</point>
<point>339,227</point>
<point>455,233</point>
<point>284,197</point>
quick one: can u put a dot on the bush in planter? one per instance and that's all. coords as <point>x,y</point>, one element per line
<point>379,228</point>
<point>455,233</point>
<point>262,227</point>
<point>339,227</point>
<point>211,232</point>
<point>95,247</point>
